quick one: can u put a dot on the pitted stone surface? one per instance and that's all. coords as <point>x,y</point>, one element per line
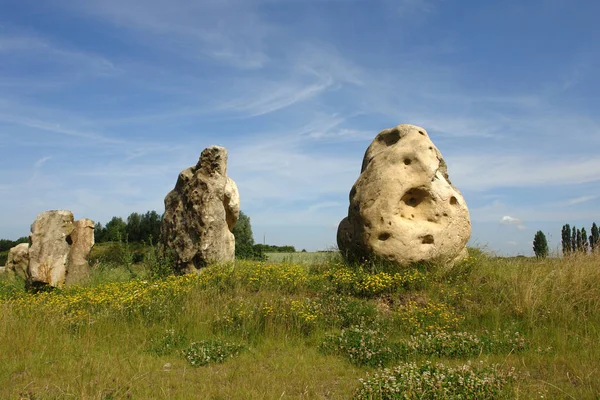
<point>201,212</point>
<point>50,246</point>
<point>403,207</point>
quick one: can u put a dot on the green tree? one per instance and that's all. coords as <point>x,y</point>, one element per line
<point>540,245</point>
<point>116,229</point>
<point>244,240</point>
<point>566,239</point>
<point>150,226</point>
<point>242,230</point>
<point>99,233</point>
<point>134,227</point>
<point>578,241</point>
<point>574,240</point>
<point>595,238</point>
<point>584,241</point>
<point>7,244</point>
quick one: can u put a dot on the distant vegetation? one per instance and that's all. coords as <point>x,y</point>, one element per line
<point>246,249</point>
<point>6,245</point>
<point>138,228</point>
<point>577,241</point>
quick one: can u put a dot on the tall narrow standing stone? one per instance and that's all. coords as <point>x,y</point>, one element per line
<point>200,213</point>
<point>82,239</point>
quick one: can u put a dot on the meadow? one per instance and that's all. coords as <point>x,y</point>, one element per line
<point>489,328</point>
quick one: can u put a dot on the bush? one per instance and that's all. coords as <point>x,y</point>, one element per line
<point>210,351</point>
<point>463,344</point>
<point>428,381</point>
<point>362,346</point>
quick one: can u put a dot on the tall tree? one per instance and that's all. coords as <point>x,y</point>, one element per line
<point>595,238</point>
<point>244,239</point>
<point>540,245</point>
<point>134,233</point>
<point>99,233</point>
<point>116,229</point>
<point>574,240</point>
<point>150,226</point>
<point>578,242</point>
<point>566,239</point>
<point>584,241</point>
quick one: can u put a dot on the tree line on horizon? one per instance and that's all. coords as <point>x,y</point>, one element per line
<point>576,240</point>
<point>573,241</point>
<point>145,228</point>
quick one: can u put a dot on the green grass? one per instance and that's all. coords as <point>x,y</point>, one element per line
<point>308,258</point>
<point>298,329</point>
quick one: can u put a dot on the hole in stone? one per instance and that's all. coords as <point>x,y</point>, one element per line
<point>402,215</point>
<point>384,236</point>
<point>445,214</point>
<point>427,239</point>
<point>412,215</point>
<point>422,133</point>
<point>453,201</point>
<point>430,148</point>
<point>69,240</point>
<point>390,137</point>
<point>407,161</point>
<point>414,197</point>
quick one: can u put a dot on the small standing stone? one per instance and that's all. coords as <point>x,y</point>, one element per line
<point>50,247</point>
<point>18,260</point>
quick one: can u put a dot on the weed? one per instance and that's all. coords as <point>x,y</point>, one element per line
<point>436,381</point>
<point>210,351</point>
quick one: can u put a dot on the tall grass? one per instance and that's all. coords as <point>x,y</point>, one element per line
<point>299,330</point>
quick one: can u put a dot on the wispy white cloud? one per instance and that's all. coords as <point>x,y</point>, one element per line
<point>496,170</point>
<point>234,35</point>
<point>28,47</point>
<point>276,97</point>
<point>580,199</point>
<point>39,163</point>
<point>56,128</point>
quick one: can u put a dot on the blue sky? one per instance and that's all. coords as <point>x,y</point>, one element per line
<point>104,102</point>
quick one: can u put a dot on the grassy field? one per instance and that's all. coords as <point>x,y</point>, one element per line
<point>490,328</point>
<point>308,258</point>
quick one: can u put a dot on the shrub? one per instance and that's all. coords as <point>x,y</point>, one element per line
<point>210,351</point>
<point>463,344</point>
<point>362,346</point>
<point>416,317</point>
<point>428,381</point>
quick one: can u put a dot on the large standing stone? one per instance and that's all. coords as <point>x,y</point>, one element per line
<point>200,213</point>
<point>403,207</point>
<point>82,239</point>
<point>18,260</point>
<point>50,246</point>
